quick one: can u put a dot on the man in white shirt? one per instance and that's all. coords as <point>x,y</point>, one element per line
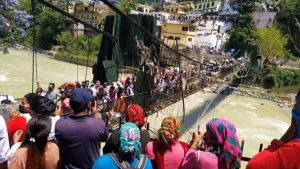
<point>4,144</point>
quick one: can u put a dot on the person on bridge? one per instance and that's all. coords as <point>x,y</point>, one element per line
<point>285,152</point>
<point>129,151</point>
<point>221,148</point>
<point>167,152</point>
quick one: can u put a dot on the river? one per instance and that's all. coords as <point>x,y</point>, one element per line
<point>257,121</point>
<point>16,72</point>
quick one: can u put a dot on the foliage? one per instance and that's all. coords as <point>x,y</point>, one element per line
<point>281,77</point>
<point>288,19</point>
<point>242,32</point>
<point>48,26</point>
<point>80,46</point>
<point>271,42</point>
<point>246,6</point>
<point>65,39</point>
<point>13,22</point>
<point>127,5</point>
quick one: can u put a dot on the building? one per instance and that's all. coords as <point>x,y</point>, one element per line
<point>144,8</point>
<point>90,13</point>
<point>263,19</point>
<point>174,8</point>
<point>218,7</point>
<point>183,32</point>
<point>212,33</point>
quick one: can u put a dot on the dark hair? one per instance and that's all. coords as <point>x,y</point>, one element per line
<point>39,90</point>
<point>38,130</point>
<point>112,87</point>
<point>29,96</point>
<point>52,84</point>
<point>42,105</point>
<point>298,94</point>
<point>77,107</point>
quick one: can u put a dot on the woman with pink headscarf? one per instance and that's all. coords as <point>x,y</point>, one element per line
<point>220,149</point>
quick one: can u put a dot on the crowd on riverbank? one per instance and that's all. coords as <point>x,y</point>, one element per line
<point>36,134</point>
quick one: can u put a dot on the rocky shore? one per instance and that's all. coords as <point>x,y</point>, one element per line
<point>253,92</point>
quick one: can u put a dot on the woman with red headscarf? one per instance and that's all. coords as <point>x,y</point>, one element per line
<point>135,114</point>
<point>167,152</point>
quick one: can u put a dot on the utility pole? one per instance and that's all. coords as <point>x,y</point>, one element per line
<point>33,11</point>
<point>180,76</point>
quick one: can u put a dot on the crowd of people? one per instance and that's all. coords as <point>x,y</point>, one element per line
<point>38,135</point>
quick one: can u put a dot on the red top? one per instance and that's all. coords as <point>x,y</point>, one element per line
<point>16,124</point>
<point>277,156</point>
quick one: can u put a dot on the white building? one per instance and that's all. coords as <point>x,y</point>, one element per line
<point>212,33</point>
<point>222,7</point>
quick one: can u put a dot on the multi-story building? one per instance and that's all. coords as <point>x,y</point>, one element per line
<point>184,32</point>
<point>212,33</point>
<point>174,8</point>
<point>219,7</point>
<point>208,6</point>
<point>90,13</point>
<point>144,8</point>
<point>263,19</point>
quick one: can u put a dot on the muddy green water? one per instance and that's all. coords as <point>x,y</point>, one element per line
<point>16,72</point>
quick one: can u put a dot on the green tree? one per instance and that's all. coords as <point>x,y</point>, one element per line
<point>48,26</point>
<point>127,5</point>
<point>66,40</point>
<point>288,19</point>
<point>95,43</point>
<point>247,6</point>
<point>272,42</point>
<point>242,32</point>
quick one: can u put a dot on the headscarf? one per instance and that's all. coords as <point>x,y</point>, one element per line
<point>136,115</point>
<point>130,139</point>
<point>228,149</point>
<point>170,130</point>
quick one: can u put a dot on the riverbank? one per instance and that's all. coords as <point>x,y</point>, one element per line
<point>282,100</point>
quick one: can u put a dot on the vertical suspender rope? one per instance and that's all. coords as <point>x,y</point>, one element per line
<point>36,71</point>
<point>33,10</point>
<point>88,58</point>
<point>182,94</point>
<point>77,52</point>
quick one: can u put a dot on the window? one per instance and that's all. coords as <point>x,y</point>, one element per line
<point>213,4</point>
<point>184,28</point>
<point>192,28</point>
<point>177,38</point>
<point>171,37</point>
<point>207,5</point>
<point>190,39</point>
<point>172,10</point>
<point>176,9</point>
<point>167,10</point>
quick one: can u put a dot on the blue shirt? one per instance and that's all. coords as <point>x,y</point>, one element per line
<point>106,162</point>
